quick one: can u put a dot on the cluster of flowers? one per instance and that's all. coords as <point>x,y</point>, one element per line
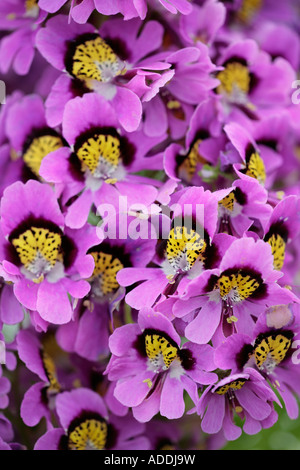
<point>150,222</point>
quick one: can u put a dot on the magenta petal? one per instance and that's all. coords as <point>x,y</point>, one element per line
<point>150,319</point>
<point>53,303</point>
<point>33,407</point>
<point>11,310</point>
<point>78,212</point>
<point>55,166</point>
<point>172,408</point>
<point>251,425</point>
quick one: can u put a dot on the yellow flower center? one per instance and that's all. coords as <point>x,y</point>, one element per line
<point>235,76</point>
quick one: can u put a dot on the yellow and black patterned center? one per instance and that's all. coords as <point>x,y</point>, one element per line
<point>278,250</point>
<point>94,59</point>
<point>248,9</point>
<point>234,76</point>
<point>90,434</point>
<point>256,168</point>
<point>100,154</point>
<point>270,350</point>
<point>38,249</point>
<point>234,385</point>
<point>38,149</point>
<point>50,371</point>
<point>159,350</point>
<point>228,201</point>
<point>106,270</point>
<point>189,165</point>
<point>184,247</point>
<point>238,286</point>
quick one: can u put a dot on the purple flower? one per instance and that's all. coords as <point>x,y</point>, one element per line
<point>148,364</point>
<point>86,425</point>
